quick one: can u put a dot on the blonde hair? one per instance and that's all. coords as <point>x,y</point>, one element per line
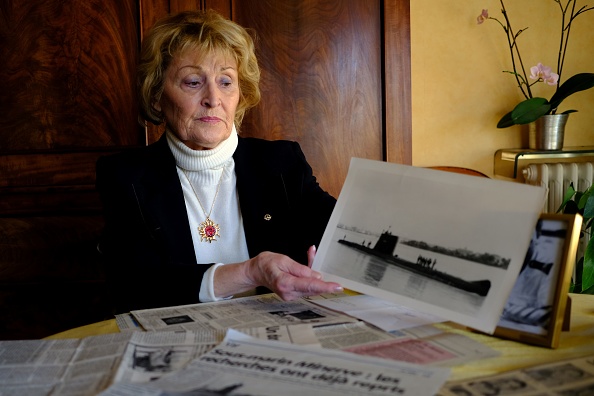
<point>203,31</point>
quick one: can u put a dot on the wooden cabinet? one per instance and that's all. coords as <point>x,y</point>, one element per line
<point>335,78</point>
<point>67,74</point>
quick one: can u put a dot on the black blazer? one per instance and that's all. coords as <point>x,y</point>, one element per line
<point>147,245</point>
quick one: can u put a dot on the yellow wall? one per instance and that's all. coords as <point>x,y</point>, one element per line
<point>459,91</point>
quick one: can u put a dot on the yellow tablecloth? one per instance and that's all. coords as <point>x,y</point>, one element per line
<point>578,341</point>
<point>104,327</point>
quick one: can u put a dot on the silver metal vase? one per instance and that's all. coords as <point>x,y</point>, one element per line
<point>547,132</point>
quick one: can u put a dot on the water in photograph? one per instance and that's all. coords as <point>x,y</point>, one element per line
<point>363,268</point>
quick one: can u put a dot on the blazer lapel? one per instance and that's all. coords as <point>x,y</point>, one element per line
<point>162,203</point>
<point>262,197</point>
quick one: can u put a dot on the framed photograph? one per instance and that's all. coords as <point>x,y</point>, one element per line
<point>535,309</point>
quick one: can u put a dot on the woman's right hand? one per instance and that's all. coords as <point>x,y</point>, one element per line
<point>287,278</point>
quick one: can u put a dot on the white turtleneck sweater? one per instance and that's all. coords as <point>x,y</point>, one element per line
<point>205,169</point>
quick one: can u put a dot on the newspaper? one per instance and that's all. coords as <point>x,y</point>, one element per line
<point>247,312</point>
<point>150,355</point>
<point>426,347</point>
<point>421,345</point>
<point>88,366</point>
<point>60,367</point>
<point>573,377</point>
<point>345,335</point>
<point>407,334</point>
<point>246,366</point>
<point>384,314</point>
<point>126,322</point>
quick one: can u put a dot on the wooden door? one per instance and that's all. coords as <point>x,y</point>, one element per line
<point>67,96</point>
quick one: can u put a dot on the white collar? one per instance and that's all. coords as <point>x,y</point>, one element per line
<point>196,160</point>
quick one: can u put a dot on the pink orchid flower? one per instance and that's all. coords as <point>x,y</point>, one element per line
<point>483,17</point>
<point>543,73</point>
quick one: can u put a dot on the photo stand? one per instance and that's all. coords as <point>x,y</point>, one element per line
<point>538,308</point>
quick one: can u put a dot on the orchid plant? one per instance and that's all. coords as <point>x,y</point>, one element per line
<point>532,108</point>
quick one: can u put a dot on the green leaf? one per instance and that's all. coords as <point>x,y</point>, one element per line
<point>588,271</point>
<point>525,112</point>
<point>530,110</point>
<point>571,208</point>
<point>506,121</point>
<point>582,199</point>
<point>589,205</point>
<point>579,82</point>
<point>588,224</point>
<point>567,197</point>
<point>588,291</point>
<point>569,111</point>
<point>579,202</point>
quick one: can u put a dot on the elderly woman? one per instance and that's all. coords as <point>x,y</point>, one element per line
<point>204,214</point>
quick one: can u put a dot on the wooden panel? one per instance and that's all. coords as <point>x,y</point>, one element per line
<point>54,258</point>
<point>321,79</point>
<point>221,6</point>
<point>50,275</point>
<point>182,5</point>
<point>38,309</point>
<point>42,170</point>
<point>68,95</point>
<point>398,105</point>
<point>45,201</point>
<point>67,71</point>
<point>54,182</point>
<point>151,11</point>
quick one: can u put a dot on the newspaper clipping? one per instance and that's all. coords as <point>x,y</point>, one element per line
<point>565,378</point>
<point>60,367</point>
<point>247,366</point>
<point>142,362</point>
<point>247,312</point>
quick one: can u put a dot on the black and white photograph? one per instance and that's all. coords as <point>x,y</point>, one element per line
<point>153,359</point>
<point>536,305</point>
<point>531,301</point>
<point>444,243</point>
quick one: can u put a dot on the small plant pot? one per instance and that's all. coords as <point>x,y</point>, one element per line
<point>547,132</point>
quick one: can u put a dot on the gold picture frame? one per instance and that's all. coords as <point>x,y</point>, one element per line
<point>535,310</point>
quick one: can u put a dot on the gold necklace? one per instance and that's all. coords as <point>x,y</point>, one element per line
<point>208,229</point>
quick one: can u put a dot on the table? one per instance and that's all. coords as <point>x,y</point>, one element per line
<point>104,327</point>
<point>578,341</point>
